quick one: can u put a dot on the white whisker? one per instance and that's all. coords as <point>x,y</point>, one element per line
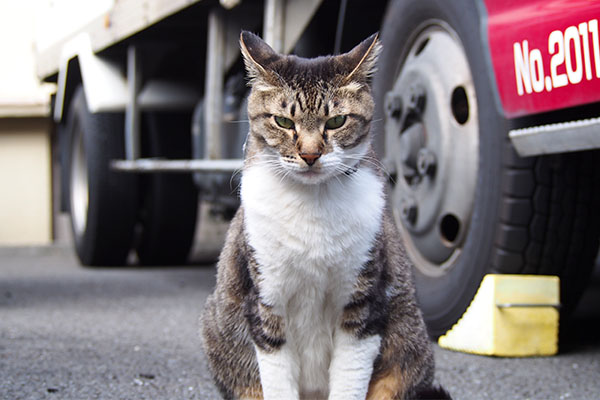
<point>371,161</point>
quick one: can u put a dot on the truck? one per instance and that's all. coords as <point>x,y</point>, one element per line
<point>486,123</point>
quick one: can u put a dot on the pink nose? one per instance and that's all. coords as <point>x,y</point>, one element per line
<point>310,158</point>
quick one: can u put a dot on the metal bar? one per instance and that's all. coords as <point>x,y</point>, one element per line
<point>526,305</point>
<point>213,101</point>
<point>340,27</point>
<point>274,24</point>
<point>148,165</point>
<point>132,111</point>
<point>557,138</point>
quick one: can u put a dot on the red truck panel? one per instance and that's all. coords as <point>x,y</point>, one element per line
<point>545,53</point>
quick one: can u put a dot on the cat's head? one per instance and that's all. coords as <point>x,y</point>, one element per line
<point>309,118</point>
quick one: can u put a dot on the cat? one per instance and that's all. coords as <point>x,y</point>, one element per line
<point>314,295</point>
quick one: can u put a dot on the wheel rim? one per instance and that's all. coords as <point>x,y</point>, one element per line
<point>79,194</point>
<point>432,142</point>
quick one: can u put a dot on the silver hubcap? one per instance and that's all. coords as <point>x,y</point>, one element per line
<point>79,196</point>
<point>432,143</point>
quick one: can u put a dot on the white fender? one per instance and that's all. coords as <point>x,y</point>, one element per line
<point>104,84</point>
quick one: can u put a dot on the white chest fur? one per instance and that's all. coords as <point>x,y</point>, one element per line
<point>310,242</point>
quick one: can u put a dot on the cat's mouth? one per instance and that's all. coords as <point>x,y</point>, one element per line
<point>310,172</point>
<point>304,170</point>
<point>311,175</point>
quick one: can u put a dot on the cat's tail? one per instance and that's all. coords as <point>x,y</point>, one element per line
<point>432,393</point>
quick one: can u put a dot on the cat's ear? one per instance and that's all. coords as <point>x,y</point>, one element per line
<point>361,61</point>
<point>257,55</point>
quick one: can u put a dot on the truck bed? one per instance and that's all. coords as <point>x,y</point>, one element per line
<point>124,19</point>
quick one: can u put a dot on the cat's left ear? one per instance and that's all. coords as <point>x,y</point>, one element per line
<point>361,61</point>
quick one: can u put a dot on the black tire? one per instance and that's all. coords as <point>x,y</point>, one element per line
<point>548,225</point>
<point>102,201</point>
<point>64,158</point>
<point>529,215</point>
<point>169,201</point>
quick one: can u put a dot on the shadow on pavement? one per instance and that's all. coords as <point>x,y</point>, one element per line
<point>581,330</point>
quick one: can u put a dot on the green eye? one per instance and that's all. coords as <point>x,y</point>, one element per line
<point>284,122</point>
<point>335,122</point>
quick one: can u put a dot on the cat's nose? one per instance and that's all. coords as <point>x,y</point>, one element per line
<point>310,158</point>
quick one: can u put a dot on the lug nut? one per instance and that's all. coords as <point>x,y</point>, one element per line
<point>426,162</point>
<point>409,212</point>
<point>393,105</point>
<point>416,99</point>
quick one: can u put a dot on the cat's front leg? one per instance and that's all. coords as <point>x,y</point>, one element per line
<point>278,373</point>
<point>278,367</point>
<point>352,365</point>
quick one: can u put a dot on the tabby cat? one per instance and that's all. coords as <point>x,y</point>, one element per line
<point>314,295</point>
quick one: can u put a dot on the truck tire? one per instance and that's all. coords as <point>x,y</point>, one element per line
<point>464,202</point>
<point>102,202</point>
<point>168,201</point>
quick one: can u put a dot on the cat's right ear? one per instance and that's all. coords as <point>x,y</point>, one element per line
<point>258,56</point>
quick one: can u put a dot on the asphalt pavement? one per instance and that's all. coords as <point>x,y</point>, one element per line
<point>69,332</point>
